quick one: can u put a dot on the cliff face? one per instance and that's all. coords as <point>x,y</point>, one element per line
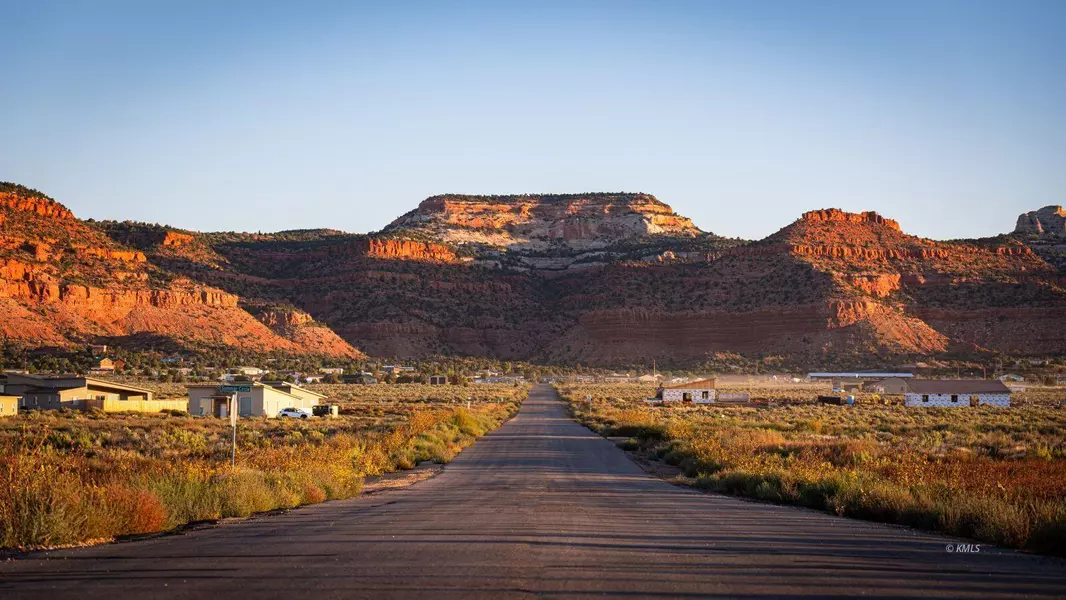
<point>1044,232</point>
<point>600,279</point>
<point>962,293</point>
<point>38,205</point>
<point>577,221</point>
<point>64,281</point>
<point>835,215</point>
<point>1049,221</point>
<point>831,285</point>
<point>406,250</point>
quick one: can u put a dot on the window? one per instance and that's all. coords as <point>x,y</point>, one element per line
<point>954,398</point>
<point>925,397</point>
<point>706,395</point>
<point>686,397</point>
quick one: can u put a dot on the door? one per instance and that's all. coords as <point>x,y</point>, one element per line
<point>246,406</point>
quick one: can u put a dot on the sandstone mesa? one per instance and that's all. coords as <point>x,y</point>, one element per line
<point>602,279</point>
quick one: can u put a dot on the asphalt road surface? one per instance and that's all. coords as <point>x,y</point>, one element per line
<point>541,507</point>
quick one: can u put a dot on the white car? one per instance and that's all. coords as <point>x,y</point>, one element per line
<point>295,413</point>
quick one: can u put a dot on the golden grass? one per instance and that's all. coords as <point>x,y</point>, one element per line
<point>70,477</point>
<point>996,475</point>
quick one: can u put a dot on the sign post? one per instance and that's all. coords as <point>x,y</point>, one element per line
<point>233,424</point>
<point>233,390</point>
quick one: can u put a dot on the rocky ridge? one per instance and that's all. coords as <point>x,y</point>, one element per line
<point>1049,221</point>
<point>64,281</point>
<point>604,279</point>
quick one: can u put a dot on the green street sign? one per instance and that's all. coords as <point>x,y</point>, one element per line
<point>234,389</point>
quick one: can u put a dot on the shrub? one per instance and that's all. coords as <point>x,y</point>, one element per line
<point>71,477</point>
<point>992,475</point>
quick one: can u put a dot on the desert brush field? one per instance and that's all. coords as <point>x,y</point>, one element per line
<point>997,475</point>
<point>72,477</point>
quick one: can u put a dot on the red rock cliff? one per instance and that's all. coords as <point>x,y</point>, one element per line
<point>35,204</point>
<point>827,215</point>
<point>406,250</point>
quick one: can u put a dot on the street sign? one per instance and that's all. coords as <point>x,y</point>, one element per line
<point>233,389</point>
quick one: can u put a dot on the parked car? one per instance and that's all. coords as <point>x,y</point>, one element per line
<point>294,413</point>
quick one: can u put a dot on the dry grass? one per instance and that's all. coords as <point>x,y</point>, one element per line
<point>69,477</point>
<point>996,475</point>
<point>345,394</point>
<point>420,392</point>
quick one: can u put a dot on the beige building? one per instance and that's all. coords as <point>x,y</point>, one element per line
<point>73,391</point>
<point>295,390</point>
<point>847,386</point>
<point>264,399</point>
<point>9,406</point>
<point>890,386</point>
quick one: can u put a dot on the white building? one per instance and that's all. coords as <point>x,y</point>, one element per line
<point>260,400</point>
<point>695,392</point>
<point>957,392</point>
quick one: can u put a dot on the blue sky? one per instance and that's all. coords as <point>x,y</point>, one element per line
<point>949,116</point>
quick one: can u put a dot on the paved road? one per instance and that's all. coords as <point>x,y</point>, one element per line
<point>542,507</point>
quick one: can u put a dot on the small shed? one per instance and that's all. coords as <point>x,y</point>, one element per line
<point>957,392</point>
<point>697,392</point>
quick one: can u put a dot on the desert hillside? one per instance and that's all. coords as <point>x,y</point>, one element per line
<point>603,279</point>
<point>64,281</point>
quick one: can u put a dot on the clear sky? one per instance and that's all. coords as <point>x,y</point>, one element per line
<point>949,116</point>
